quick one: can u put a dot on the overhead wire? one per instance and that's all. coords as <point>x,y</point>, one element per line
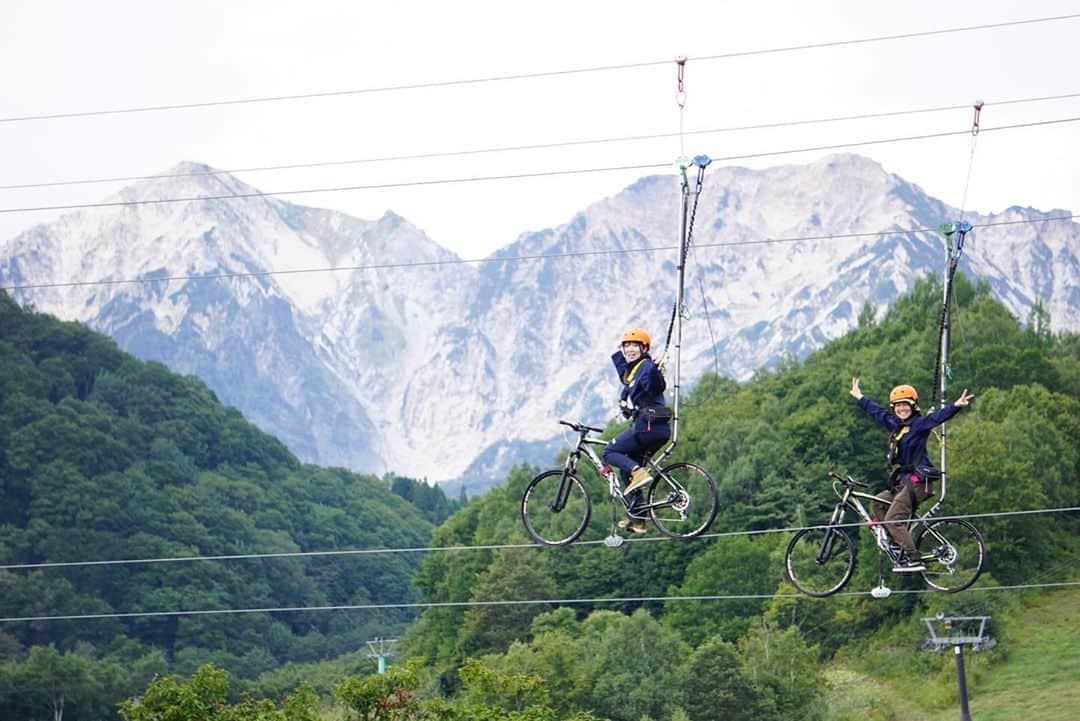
<point>532,146</point>
<point>515,258</point>
<point>485,547</point>
<point>534,75</point>
<point>516,176</point>
<point>356,551</point>
<point>471,604</point>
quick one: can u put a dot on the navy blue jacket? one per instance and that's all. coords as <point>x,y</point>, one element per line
<point>646,388</point>
<point>912,450</point>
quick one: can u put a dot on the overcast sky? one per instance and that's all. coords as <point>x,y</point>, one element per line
<point>73,56</point>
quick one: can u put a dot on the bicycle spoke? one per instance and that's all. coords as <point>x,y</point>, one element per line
<point>683,500</point>
<point>546,519</point>
<point>953,552</point>
<point>819,561</point>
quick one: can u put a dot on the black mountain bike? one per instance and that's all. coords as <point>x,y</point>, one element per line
<point>820,560</point>
<point>681,501</point>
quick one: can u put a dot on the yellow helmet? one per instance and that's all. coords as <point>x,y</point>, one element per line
<point>637,335</point>
<point>904,393</point>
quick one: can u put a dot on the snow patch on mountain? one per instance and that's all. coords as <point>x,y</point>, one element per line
<point>405,358</point>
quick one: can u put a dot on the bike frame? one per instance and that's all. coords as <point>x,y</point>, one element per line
<point>585,448</point>
<point>849,498</point>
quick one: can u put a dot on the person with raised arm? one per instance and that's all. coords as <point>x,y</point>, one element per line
<point>912,473</point>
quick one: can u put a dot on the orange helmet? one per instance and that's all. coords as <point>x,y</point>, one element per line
<point>637,335</point>
<point>904,393</point>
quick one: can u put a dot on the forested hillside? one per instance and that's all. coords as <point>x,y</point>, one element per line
<point>106,457</point>
<point>770,442</point>
<point>103,457</point>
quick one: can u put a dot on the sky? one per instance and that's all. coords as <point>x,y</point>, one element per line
<point>62,56</point>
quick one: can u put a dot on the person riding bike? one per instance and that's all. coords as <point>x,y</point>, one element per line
<point>643,402</point>
<point>912,471</point>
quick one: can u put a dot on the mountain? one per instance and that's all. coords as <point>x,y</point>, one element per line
<point>407,359</point>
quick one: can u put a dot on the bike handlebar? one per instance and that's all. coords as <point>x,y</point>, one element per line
<point>581,427</point>
<point>851,482</point>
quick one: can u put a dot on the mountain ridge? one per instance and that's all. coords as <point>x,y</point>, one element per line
<point>405,358</point>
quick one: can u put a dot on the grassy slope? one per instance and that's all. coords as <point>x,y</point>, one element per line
<point>1033,675</point>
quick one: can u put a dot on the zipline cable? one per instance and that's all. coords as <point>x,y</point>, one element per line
<point>518,176</point>
<point>534,146</point>
<point>486,547</point>
<point>517,258</point>
<point>534,75</point>
<point>473,604</point>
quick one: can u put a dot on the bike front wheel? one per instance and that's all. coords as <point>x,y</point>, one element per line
<point>555,509</point>
<point>820,561</point>
<point>683,500</point>
<point>953,552</point>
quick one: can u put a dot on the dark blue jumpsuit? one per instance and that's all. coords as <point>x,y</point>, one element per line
<point>908,458</point>
<point>645,387</point>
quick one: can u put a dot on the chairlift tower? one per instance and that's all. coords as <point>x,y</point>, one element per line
<point>381,649</point>
<point>959,631</point>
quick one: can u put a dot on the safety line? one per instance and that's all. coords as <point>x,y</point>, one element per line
<point>516,148</point>
<point>516,176</point>
<point>490,547</point>
<point>469,604</point>
<point>529,76</point>
<point>340,188</point>
<point>514,258</point>
<point>881,38</point>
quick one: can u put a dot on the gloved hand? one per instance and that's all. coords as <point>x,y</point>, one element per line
<point>626,409</point>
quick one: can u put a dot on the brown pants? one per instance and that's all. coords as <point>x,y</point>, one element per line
<point>897,507</point>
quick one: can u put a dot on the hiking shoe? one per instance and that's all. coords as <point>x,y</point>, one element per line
<point>908,565</point>
<point>633,526</point>
<point>639,478</point>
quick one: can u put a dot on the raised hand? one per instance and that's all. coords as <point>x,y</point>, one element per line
<point>964,399</point>
<point>855,391</point>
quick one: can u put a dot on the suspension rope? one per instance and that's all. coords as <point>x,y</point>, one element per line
<point>533,146</point>
<point>700,162</point>
<point>708,324</point>
<point>488,604</point>
<point>971,156</point>
<point>497,546</point>
<point>519,258</point>
<point>959,229</point>
<point>528,76</point>
<point>515,176</point>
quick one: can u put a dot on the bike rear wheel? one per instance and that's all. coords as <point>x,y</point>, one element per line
<point>820,561</point>
<point>552,520</point>
<point>953,552</point>
<point>683,500</point>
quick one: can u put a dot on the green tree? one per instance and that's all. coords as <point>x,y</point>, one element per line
<point>716,688</point>
<point>206,698</point>
<point>781,661</point>
<point>514,575</point>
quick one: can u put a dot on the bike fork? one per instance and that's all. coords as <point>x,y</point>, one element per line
<point>825,552</point>
<point>564,491</point>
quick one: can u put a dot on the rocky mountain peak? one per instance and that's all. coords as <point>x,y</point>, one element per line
<point>366,344</point>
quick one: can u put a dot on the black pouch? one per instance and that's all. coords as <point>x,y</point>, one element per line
<point>657,414</point>
<point>927,475</point>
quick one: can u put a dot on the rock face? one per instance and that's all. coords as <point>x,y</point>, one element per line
<point>404,358</point>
